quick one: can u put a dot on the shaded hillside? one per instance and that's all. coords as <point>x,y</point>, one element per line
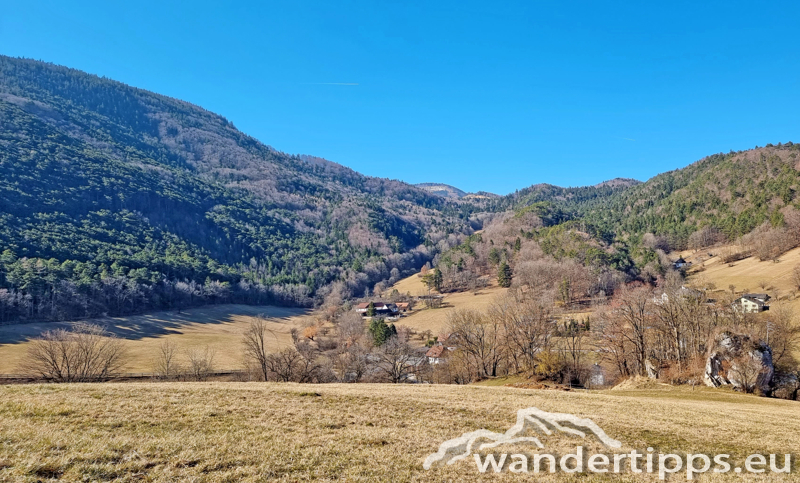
<point>114,200</point>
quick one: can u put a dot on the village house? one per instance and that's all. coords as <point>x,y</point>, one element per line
<point>681,263</point>
<point>437,354</point>
<point>752,303</point>
<point>381,309</point>
<point>684,293</point>
<point>445,343</point>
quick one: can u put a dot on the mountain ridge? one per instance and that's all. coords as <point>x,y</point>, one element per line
<point>117,200</point>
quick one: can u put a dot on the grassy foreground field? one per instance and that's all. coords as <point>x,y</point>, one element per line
<point>218,326</point>
<point>214,432</point>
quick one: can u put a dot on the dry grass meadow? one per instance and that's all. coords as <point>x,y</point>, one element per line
<point>228,432</point>
<point>435,320</point>
<point>218,326</point>
<point>745,274</point>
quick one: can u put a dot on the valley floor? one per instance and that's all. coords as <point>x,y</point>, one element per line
<point>219,327</point>
<point>214,432</point>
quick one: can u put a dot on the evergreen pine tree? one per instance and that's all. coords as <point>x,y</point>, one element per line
<point>504,275</point>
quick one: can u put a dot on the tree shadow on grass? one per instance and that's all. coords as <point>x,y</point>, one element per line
<point>159,324</point>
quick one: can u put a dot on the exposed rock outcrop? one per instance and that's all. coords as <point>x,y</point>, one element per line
<point>739,361</point>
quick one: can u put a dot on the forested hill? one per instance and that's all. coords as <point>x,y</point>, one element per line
<point>117,200</point>
<point>731,194</point>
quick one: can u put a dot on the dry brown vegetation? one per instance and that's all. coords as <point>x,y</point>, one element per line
<point>218,327</point>
<point>224,432</point>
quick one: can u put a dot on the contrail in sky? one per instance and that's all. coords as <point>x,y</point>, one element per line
<point>331,83</point>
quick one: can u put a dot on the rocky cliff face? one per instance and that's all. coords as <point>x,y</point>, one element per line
<point>739,361</point>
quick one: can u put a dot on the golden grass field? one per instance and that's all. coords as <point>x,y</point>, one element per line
<point>435,320</point>
<point>218,326</point>
<point>228,432</point>
<point>747,275</point>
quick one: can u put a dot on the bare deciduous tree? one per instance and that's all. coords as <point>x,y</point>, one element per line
<point>527,327</point>
<point>255,345</point>
<point>283,364</point>
<point>201,362</point>
<point>165,364</point>
<point>396,360</point>
<point>86,352</point>
<point>480,337</point>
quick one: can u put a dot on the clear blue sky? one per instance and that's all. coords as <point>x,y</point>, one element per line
<point>482,95</point>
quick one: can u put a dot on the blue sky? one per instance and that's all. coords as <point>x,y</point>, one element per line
<point>489,96</point>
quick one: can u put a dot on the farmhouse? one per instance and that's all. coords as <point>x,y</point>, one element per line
<point>681,263</point>
<point>379,309</point>
<point>437,354</point>
<point>684,293</point>
<point>752,303</point>
<point>445,343</point>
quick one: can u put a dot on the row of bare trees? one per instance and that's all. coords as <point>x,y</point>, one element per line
<point>353,356</point>
<point>518,333</point>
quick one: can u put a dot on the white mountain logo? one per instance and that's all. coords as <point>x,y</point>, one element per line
<point>531,418</point>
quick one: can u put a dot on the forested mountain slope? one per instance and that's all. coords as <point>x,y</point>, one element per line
<point>116,200</point>
<point>733,193</point>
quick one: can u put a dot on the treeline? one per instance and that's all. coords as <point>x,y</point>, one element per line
<point>52,290</point>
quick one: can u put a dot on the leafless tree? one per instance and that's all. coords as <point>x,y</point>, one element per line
<point>201,362</point>
<point>632,307</point>
<point>255,341</point>
<point>352,362</point>
<point>396,360</point>
<point>87,352</point>
<point>283,364</point>
<point>527,327</point>
<point>573,337</point>
<point>480,337</point>
<point>166,365</point>
<point>782,334</point>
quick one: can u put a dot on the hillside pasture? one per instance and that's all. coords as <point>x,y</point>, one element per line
<point>747,275</point>
<point>435,320</point>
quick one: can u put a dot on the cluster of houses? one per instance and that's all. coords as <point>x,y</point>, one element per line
<point>681,264</point>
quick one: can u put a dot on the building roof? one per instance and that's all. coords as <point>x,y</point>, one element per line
<point>435,351</point>
<point>377,305</point>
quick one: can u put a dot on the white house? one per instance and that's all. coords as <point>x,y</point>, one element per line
<point>752,303</point>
